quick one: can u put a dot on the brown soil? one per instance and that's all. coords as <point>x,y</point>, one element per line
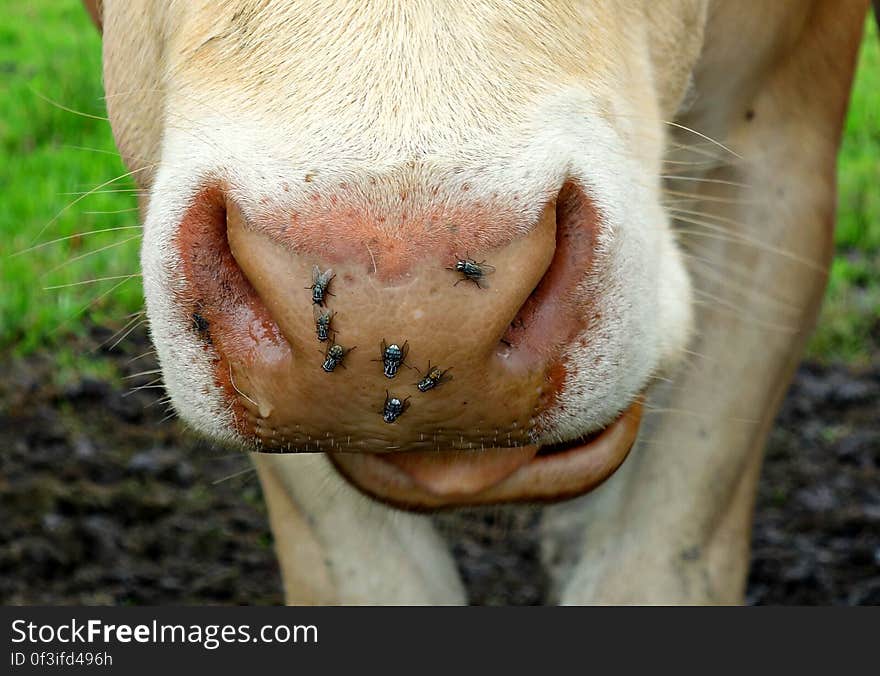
<point>104,500</point>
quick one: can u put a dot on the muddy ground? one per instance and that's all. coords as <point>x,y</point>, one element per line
<point>104,500</point>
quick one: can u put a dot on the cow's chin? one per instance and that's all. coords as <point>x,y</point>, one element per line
<point>434,480</point>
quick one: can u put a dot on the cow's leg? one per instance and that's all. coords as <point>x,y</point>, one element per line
<point>337,547</point>
<point>673,524</point>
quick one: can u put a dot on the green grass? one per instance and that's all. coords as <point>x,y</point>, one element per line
<point>49,48</point>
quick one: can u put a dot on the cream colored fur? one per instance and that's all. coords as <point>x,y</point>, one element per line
<point>513,98</point>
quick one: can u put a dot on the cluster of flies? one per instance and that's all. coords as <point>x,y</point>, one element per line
<point>392,356</point>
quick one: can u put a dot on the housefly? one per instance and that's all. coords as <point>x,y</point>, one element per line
<point>392,356</point>
<point>433,378</point>
<point>320,282</point>
<point>334,356</point>
<point>393,408</point>
<point>472,271</point>
<point>322,323</point>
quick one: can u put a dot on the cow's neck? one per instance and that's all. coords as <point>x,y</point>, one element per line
<point>673,524</point>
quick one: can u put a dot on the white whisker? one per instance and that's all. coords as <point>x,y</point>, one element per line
<point>90,281</point>
<point>69,110</point>
<point>74,236</point>
<point>87,254</point>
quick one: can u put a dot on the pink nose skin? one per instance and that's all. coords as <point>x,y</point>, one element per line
<point>250,290</point>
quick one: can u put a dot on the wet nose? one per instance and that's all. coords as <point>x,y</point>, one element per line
<point>392,351</point>
<point>379,340</point>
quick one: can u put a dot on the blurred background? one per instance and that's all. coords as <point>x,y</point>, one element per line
<point>105,498</point>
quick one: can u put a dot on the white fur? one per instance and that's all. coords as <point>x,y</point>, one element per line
<point>640,286</point>
<point>519,96</point>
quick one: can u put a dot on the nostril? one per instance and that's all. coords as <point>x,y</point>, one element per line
<point>222,308</point>
<point>216,286</point>
<point>552,314</point>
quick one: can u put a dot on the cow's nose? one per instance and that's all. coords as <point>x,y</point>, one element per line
<point>429,346</point>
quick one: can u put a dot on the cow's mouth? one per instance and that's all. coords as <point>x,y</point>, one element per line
<point>430,480</point>
<point>247,302</point>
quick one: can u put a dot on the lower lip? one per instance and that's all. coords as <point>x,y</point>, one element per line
<point>542,478</point>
